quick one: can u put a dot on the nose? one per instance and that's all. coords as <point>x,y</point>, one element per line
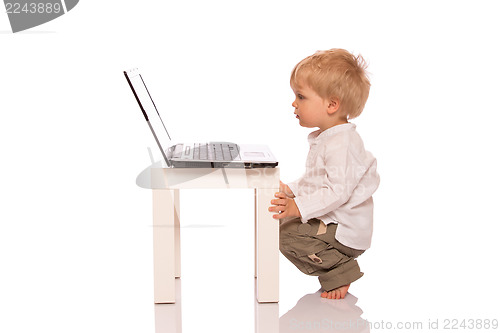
<point>294,104</point>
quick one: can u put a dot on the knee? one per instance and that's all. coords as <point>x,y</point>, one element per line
<point>289,235</point>
<point>289,230</point>
<point>285,240</point>
<point>290,226</point>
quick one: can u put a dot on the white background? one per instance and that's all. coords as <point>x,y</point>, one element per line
<point>75,232</point>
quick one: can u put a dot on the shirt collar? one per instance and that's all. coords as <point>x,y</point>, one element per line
<point>318,136</point>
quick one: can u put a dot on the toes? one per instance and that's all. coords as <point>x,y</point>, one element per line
<point>344,290</point>
<point>338,293</point>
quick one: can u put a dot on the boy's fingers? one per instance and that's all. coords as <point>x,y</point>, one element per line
<point>279,202</point>
<point>276,208</point>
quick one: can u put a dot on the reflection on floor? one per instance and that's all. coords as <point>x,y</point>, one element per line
<point>311,314</point>
<point>315,314</point>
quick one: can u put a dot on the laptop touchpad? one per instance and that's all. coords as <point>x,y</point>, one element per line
<point>254,154</point>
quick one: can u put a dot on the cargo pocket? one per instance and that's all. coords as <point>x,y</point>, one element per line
<point>331,258</point>
<point>303,254</point>
<point>322,261</point>
<point>310,265</point>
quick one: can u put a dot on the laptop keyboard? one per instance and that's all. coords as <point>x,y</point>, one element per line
<point>216,152</point>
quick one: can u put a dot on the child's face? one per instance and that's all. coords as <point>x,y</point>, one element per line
<point>310,108</point>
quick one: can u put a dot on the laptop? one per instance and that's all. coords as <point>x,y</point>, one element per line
<point>195,155</point>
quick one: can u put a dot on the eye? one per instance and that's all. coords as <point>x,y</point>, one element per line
<point>299,96</point>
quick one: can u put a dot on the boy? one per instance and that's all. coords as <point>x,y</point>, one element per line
<point>328,212</point>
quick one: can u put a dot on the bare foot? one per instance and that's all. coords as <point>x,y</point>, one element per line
<point>338,293</point>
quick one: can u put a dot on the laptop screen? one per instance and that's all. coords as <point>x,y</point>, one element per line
<point>149,110</point>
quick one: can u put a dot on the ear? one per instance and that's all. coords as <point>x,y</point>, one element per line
<point>333,106</point>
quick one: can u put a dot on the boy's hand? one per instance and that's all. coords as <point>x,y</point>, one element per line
<point>285,189</point>
<point>285,206</point>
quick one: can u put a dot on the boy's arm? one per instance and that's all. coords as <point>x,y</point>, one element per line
<point>343,173</point>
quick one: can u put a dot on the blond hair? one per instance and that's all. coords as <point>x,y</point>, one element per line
<point>336,73</point>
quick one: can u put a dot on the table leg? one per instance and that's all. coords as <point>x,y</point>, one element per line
<point>164,245</point>
<point>256,212</point>
<point>267,247</point>
<point>177,236</point>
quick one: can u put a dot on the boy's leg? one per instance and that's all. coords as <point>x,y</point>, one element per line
<point>312,247</point>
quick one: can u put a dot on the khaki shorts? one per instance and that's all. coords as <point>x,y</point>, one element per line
<point>312,247</point>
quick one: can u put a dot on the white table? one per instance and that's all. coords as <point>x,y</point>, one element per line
<point>166,183</point>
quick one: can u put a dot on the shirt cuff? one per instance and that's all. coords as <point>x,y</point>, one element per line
<point>293,186</point>
<point>302,209</point>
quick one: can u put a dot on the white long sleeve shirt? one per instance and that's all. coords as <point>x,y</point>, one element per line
<point>338,184</point>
